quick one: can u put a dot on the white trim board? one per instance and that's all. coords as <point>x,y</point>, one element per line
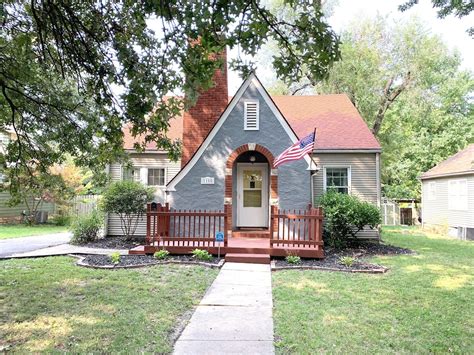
<point>251,79</point>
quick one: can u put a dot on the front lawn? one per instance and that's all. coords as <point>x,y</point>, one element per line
<point>424,304</point>
<point>51,305</point>
<point>8,231</point>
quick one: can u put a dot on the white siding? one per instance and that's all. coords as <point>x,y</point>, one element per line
<point>148,161</point>
<point>364,181</point>
<point>435,211</point>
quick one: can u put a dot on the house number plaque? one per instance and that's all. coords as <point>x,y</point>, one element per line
<point>207,180</point>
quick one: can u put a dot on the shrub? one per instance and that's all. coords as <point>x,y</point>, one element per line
<point>86,228</point>
<point>115,257</point>
<point>345,216</point>
<point>161,254</point>
<point>128,199</point>
<point>201,254</point>
<point>293,259</point>
<point>347,260</point>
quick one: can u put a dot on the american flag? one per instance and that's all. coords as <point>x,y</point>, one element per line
<point>297,150</point>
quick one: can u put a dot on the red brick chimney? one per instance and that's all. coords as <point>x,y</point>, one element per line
<point>199,119</point>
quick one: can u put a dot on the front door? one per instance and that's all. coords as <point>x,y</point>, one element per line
<point>252,195</point>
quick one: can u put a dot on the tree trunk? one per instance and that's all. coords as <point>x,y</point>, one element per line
<point>390,94</point>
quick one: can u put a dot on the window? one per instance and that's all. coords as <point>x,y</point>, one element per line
<point>252,189</point>
<point>131,174</point>
<point>431,191</point>
<point>457,194</point>
<point>251,119</point>
<point>156,177</point>
<point>337,179</point>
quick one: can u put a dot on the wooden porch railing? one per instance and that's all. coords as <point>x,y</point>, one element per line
<point>183,228</point>
<point>296,228</point>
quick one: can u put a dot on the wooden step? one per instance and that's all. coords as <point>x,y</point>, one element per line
<point>248,258</point>
<point>251,234</point>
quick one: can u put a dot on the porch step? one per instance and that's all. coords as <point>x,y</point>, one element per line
<point>248,258</point>
<point>251,234</point>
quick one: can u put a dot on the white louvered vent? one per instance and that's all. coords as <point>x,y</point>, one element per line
<point>251,114</point>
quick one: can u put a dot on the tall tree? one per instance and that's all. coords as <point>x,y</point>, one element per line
<point>411,91</point>
<point>72,73</point>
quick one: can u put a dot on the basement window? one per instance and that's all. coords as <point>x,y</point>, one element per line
<point>251,115</point>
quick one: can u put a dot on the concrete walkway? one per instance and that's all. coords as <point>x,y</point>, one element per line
<point>65,249</point>
<point>235,315</point>
<point>27,244</point>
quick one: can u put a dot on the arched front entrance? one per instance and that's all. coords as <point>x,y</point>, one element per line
<point>251,186</point>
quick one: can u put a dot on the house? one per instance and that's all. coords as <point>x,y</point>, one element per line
<point>229,145</point>
<point>448,195</point>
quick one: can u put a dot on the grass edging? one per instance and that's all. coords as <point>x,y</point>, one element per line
<point>80,262</point>
<point>381,270</point>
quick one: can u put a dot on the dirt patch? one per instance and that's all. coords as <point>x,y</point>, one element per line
<point>358,252</point>
<point>114,243</point>
<point>141,260</point>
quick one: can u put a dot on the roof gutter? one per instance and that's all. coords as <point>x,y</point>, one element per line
<point>371,150</point>
<point>459,173</point>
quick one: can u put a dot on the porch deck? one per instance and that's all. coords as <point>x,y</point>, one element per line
<point>297,232</point>
<point>238,245</point>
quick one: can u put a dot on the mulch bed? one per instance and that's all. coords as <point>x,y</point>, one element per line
<point>114,243</point>
<point>358,252</point>
<point>142,260</point>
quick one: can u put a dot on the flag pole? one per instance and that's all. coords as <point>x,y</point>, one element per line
<point>311,174</point>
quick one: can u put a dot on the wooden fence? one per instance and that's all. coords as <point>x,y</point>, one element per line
<point>84,204</point>
<point>296,228</point>
<point>183,228</point>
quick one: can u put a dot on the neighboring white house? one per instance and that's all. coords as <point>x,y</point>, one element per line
<point>448,194</point>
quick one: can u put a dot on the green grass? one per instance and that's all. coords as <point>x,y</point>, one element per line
<point>8,231</point>
<point>51,305</point>
<point>424,304</point>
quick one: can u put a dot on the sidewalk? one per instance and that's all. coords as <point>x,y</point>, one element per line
<point>235,315</point>
<point>65,249</point>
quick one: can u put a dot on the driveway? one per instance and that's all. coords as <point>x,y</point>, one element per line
<point>26,244</point>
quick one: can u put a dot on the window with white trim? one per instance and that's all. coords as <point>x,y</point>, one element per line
<point>251,115</point>
<point>131,174</point>
<point>337,179</point>
<point>431,194</point>
<point>457,194</point>
<point>156,177</point>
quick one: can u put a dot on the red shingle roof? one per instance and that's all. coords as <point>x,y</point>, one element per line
<point>339,124</point>
<point>460,163</point>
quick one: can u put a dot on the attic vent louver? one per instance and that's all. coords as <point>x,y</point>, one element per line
<point>251,116</point>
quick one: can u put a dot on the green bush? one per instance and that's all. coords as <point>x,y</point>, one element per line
<point>161,254</point>
<point>200,254</point>
<point>86,228</point>
<point>115,257</point>
<point>293,259</point>
<point>345,216</point>
<point>128,200</point>
<point>347,261</point>
<point>61,220</point>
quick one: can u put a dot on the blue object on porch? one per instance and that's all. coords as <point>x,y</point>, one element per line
<point>219,236</point>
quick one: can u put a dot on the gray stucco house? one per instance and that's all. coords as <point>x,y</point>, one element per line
<point>229,145</point>
<point>448,195</point>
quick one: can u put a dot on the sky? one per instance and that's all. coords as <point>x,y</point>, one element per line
<point>451,29</point>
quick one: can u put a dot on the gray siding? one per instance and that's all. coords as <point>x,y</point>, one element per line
<point>7,212</point>
<point>437,213</point>
<point>293,178</point>
<point>149,161</point>
<point>364,181</point>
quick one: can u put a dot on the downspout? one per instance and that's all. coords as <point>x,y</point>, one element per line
<point>379,187</point>
<point>106,217</point>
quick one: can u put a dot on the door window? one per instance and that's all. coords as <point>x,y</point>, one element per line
<point>252,188</point>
